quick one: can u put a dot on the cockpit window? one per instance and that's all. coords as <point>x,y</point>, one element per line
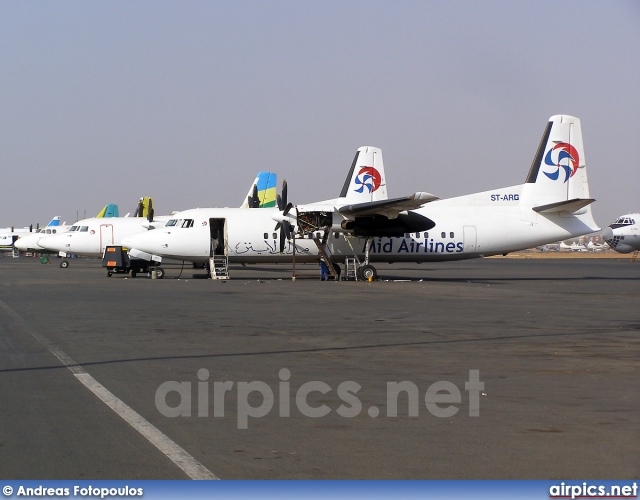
<point>172,222</point>
<point>187,223</point>
<point>84,229</point>
<point>73,228</point>
<point>622,221</point>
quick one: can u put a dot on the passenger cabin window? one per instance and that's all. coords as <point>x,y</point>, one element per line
<point>54,231</point>
<point>266,236</point>
<point>187,223</point>
<point>417,235</point>
<point>443,234</point>
<point>451,235</point>
<point>275,236</point>
<point>84,229</point>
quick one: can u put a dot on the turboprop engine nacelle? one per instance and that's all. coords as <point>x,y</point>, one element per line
<point>380,226</point>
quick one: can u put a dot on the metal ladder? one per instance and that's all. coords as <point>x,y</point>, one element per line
<point>634,256</point>
<point>219,265</point>
<point>350,268</point>
<point>323,251</point>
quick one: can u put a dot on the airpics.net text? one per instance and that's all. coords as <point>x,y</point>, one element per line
<point>257,399</point>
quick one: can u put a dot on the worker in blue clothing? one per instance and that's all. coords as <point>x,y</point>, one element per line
<point>324,271</point>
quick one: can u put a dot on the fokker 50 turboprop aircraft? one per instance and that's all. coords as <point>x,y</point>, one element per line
<point>552,204</point>
<point>89,237</point>
<point>29,242</point>
<point>10,236</point>
<point>624,234</point>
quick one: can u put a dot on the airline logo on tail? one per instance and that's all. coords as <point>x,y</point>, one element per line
<point>369,178</point>
<point>563,156</point>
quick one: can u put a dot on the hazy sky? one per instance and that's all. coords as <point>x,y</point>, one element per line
<point>184,101</point>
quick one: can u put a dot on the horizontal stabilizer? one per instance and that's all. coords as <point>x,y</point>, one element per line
<point>564,206</point>
<point>389,208</point>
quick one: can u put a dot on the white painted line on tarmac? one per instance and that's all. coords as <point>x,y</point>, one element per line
<point>189,465</point>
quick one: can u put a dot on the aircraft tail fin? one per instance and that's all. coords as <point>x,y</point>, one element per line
<point>54,222</point>
<point>144,208</point>
<point>109,210</point>
<point>366,180</point>
<point>558,174</point>
<point>262,193</point>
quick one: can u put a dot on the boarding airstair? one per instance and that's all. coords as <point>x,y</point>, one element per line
<point>634,256</point>
<point>324,252</point>
<point>219,267</point>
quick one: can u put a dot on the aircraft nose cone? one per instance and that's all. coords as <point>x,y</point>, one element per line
<point>41,241</point>
<point>607,233</point>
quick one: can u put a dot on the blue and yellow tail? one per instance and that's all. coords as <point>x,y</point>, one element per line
<point>262,193</point>
<point>108,211</point>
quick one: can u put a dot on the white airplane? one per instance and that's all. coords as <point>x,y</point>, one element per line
<point>89,237</point>
<point>624,234</point>
<point>551,247</point>
<point>574,247</point>
<point>592,246</point>
<point>29,242</point>
<point>552,204</point>
<point>10,235</point>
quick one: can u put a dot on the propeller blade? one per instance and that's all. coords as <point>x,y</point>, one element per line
<point>256,200</point>
<point>282,238</point>
<point>284,192</point>
<point>286,226</point>
<point>279,202</point>
<point>287,209</point>
<point>150,211</point>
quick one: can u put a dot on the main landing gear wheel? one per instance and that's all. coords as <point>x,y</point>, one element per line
<point>159,272</point>
<point>109,274</point>
<point>367,272</point>
<point>64,264</point>
<point>338,271</point>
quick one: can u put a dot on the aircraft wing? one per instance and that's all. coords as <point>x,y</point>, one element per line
<point>389,208</point>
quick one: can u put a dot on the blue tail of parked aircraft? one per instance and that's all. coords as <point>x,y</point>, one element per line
<point>262,193</point>
<point>110,210</point>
